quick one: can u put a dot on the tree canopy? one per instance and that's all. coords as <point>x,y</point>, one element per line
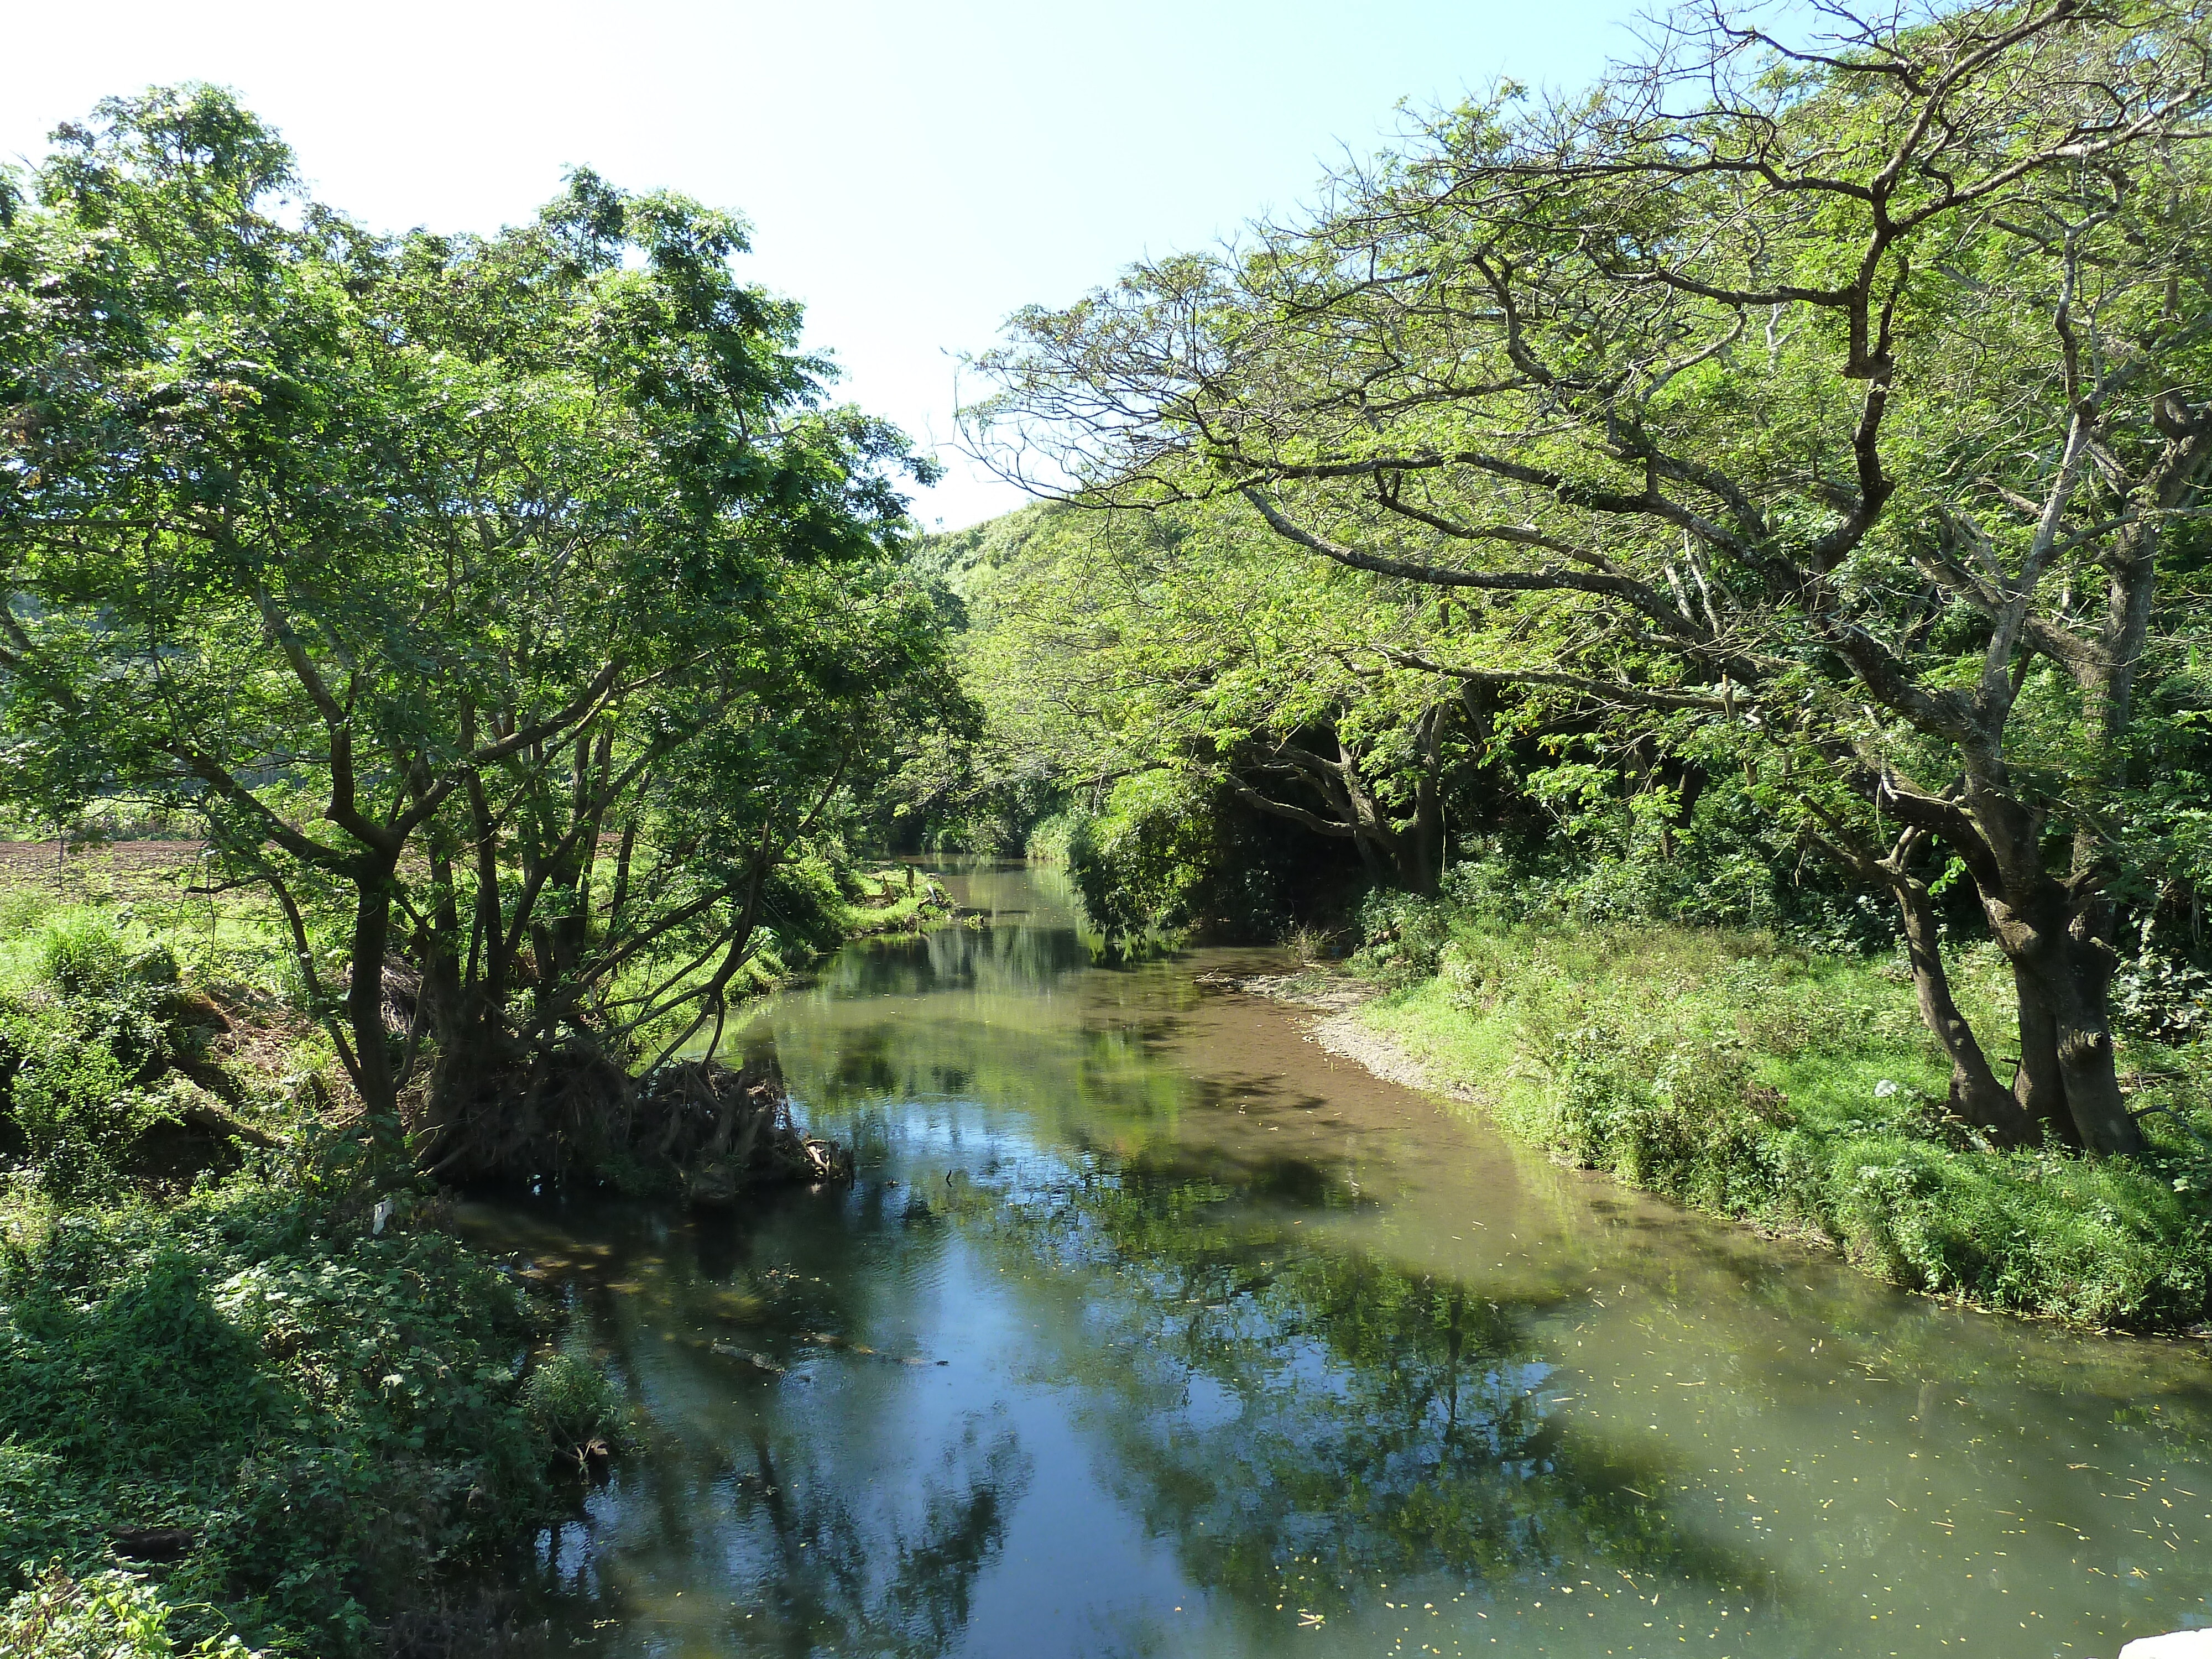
<point>1833,404</point>
<point>514,606</point>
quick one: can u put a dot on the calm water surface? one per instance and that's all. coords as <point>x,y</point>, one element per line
<point>1149,1329</point>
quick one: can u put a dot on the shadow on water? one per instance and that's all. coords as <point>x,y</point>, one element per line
<point>1148,1328</point>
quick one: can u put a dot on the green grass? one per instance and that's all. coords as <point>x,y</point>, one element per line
<point>1801,1092</point>
<point>235,937</point>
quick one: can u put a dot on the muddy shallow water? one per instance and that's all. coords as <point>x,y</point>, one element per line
<point>1150,1328</point>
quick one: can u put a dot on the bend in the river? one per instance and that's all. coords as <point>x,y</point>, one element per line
<point>1150,1328</point>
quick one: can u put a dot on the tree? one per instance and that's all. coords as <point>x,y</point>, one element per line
<point>1843,395</point>
<point>1120,644</point>
<point>518,601</point>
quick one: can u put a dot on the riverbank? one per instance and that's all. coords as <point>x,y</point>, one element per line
<point>244,1407</point>
<point>254,1398</point>
<point>1796,1092</point>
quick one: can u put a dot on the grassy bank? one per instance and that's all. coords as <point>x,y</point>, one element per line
<point>1799,1091</point>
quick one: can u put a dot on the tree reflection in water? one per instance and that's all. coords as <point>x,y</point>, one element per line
<point>777,1482</point>
<point>831,1580</point>
<point>1312,1424</point>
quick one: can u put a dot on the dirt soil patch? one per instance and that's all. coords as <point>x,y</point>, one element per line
<point>1342,1032</point>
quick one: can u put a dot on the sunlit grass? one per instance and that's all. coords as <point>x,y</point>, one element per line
<point>1800,1091</point>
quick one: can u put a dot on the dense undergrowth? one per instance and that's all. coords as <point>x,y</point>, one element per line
<point>239,1412</point>
<point>213,1357</point>
<point>325,1424</point>
<point>1798,1088</point>
<point>238,1409</point>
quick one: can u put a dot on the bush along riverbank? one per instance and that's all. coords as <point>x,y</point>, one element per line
<point>1798,1091</point>
<point>245,1402</point>
<point>302,1433</point>
<point>255,1395</point>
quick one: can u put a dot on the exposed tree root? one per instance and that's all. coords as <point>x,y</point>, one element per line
<point>705,1130</point>
<point>723,1129</point>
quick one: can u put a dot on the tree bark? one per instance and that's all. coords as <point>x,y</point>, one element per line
<point>1976,1094</point>
<point>2065,972</point>
<point>373,1077</point>
<point>2073,978</point>
<point>2037,1085</point>
<point>1419,851</point>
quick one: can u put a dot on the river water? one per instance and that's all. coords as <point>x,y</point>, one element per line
<point>1148,1328</point>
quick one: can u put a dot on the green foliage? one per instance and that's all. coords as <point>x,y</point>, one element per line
<point>332,1416</point>
<point>898,900</point>
<point>80,1054</point>
<point>1402,938</point>
<point>570,1403</point>
<point>982,784</point>
<point>1143,862</point>
<point>1169,856</point>
<point>1800,1090</point>
<point>102,1615</point>
<point>1108,646</point>
<point>1748,415</point>
<point>86,960</point>
<point>421,569</point>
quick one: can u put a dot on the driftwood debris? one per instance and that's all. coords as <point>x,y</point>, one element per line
<point>722,1130</point>
<point>706,1130</point>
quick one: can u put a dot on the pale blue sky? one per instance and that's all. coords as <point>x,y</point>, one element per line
<point>912,172</point>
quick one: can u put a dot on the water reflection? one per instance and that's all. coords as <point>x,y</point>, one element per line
<point>1317,1423</point>
<point>965,959</point>
<point>1151,1329</point>
<point>830,1579</point>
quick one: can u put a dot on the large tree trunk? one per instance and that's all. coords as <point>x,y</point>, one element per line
<point>2052,931</point>
<point>2063,970</point>
<point>374,1075</point>
<point>1976,1094</point>
<point>2038,1085</point>
<point>2067,983</point>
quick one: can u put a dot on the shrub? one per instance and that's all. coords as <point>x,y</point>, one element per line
<point>2163,997</point>
<point>87,957</point>
<point>1402,937</point>
<point>102,1615</point>
<point>75,1060</point>
<point>570,1403</point>
<point>78,1111</point>
<point>334,1416</point>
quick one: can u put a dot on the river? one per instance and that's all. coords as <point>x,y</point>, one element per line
<point>1149,1329</point>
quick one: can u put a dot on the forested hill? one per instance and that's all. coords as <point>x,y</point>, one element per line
<point>965,560</point>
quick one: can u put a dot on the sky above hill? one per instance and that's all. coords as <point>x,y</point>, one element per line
<point>912,172</point>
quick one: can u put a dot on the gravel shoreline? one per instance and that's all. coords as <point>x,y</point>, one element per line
<point>1340,1031</point>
